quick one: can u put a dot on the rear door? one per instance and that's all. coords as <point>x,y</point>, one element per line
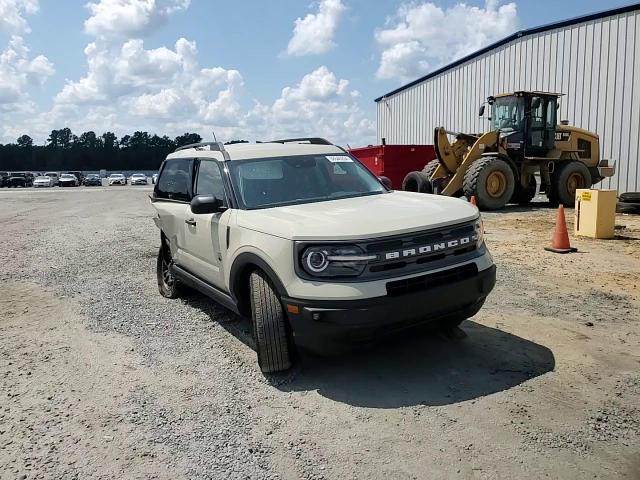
<point>205,233</point>
<point>172,195</point>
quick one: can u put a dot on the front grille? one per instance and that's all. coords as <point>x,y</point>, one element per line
<point>391,258</point>
<point>423,282</point>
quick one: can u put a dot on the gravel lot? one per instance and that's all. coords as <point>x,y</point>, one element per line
<point>101,377</point>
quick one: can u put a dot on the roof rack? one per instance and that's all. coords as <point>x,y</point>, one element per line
<point>310,140</point>
<point>213,146</point>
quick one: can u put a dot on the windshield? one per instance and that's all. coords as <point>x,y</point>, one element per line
<point>50,174</point>
<point>138,175</point>
<point>508,113</point>
<point>272,182</point>
<point>66,175</point>
<point>116,175</point>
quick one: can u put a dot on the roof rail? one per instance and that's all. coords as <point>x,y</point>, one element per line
<point>310,140</point>
<point>213,146</point>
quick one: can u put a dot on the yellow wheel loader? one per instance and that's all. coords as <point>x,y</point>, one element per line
<point>499,167</point>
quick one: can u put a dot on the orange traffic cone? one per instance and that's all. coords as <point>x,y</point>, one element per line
<point>472,200</point>
<point>560,242</point>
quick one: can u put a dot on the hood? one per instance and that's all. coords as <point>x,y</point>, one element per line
<point>372,216</point>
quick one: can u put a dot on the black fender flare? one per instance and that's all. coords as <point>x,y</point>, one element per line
<point>241,267</point>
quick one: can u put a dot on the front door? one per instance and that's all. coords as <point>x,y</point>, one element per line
<point>541,125</point>
<point>205,234</point>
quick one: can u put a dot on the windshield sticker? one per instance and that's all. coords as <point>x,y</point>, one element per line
<point>338,159</point>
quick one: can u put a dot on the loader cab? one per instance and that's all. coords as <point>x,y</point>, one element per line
<point>527,119</point>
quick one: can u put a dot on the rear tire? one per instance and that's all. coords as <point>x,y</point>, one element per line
<point>269,325</point>
<point>566,179</point>
<point>168,285</point>
<point>491,181</point>
<point>523,195</point>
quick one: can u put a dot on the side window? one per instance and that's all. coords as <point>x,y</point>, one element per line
<point>209,180</point>
<point>551,113</point>
<point>174,180</point>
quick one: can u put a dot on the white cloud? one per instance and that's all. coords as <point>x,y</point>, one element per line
<point>314,33</point>
<point>117,71</point>
<point>12,13</point>
<point>421,37</point>
<point>320,105</point>
<point>18,71</point>
<point>129,18</point>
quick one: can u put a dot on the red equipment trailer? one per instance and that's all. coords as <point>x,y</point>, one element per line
<point>394,161</point>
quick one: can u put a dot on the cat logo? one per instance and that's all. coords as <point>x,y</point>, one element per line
<point>563,136</point>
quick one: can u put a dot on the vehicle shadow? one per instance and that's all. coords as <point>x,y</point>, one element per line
<point>426,369</point>
<point>418,368</point>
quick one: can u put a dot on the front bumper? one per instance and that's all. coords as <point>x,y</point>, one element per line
<point>322,325</point>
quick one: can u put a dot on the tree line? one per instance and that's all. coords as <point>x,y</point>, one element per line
<point>66,151</point>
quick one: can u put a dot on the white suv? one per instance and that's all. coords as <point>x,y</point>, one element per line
<point>301,237</point>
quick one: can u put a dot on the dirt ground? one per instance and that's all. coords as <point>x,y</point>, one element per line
<point>101,377</point>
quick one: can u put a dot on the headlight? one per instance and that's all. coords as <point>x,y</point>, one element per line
<point>479,228</point>
<point>334,260</point>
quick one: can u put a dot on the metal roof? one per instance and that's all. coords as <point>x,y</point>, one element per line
<point>514,36</point>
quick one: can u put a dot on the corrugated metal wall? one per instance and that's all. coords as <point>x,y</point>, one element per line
<point>595,63</point>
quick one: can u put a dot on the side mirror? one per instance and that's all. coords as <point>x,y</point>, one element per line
<point>202,204</point>
<point>386,182</point>
<point>481,111</point>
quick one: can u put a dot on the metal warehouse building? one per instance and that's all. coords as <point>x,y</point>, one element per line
<point>594,60</point>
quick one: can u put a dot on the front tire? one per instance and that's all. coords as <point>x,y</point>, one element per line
<point>491,181</point>
<point>269,325</point>
<point>416,182</point>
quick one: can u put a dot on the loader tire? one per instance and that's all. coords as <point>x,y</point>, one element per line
<point>630,197</point>
<point>491,181</point>
<point>566,179</point>
<point>416,182</point>
<point>430,167</point>
<point>269,322</point>
<point>523,195</point>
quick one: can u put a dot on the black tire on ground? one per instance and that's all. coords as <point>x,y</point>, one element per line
<point>566,179</point>
<point>491,181</point>
<point>416,182</point>
<point>626,207</point>
<point>524,195</point>
<point>269,325</point>
<point>168,285</point>
<point>630,197</point>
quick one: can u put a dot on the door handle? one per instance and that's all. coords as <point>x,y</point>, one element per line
<point>191,222</point>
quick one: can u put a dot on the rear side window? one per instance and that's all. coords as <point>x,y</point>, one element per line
<point>209,181</point>
<point>174,182</point>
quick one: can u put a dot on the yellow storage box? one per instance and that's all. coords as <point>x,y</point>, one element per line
<point>595,213</point>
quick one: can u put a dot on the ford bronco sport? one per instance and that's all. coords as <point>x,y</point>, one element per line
<point>299,236</point>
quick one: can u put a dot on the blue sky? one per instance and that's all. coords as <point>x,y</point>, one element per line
<point>248,69</point>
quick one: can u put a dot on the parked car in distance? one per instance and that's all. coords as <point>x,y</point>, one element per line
<point>55,176</point>
<point>139,179</point>
<point>20,179</point>
<point>68,180</point>
<point>78,175</point>
<point>92,179</point>
<point>117,179</point>
<point>43,181</point>
<point>154,178</point>
<point>4,179</point>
